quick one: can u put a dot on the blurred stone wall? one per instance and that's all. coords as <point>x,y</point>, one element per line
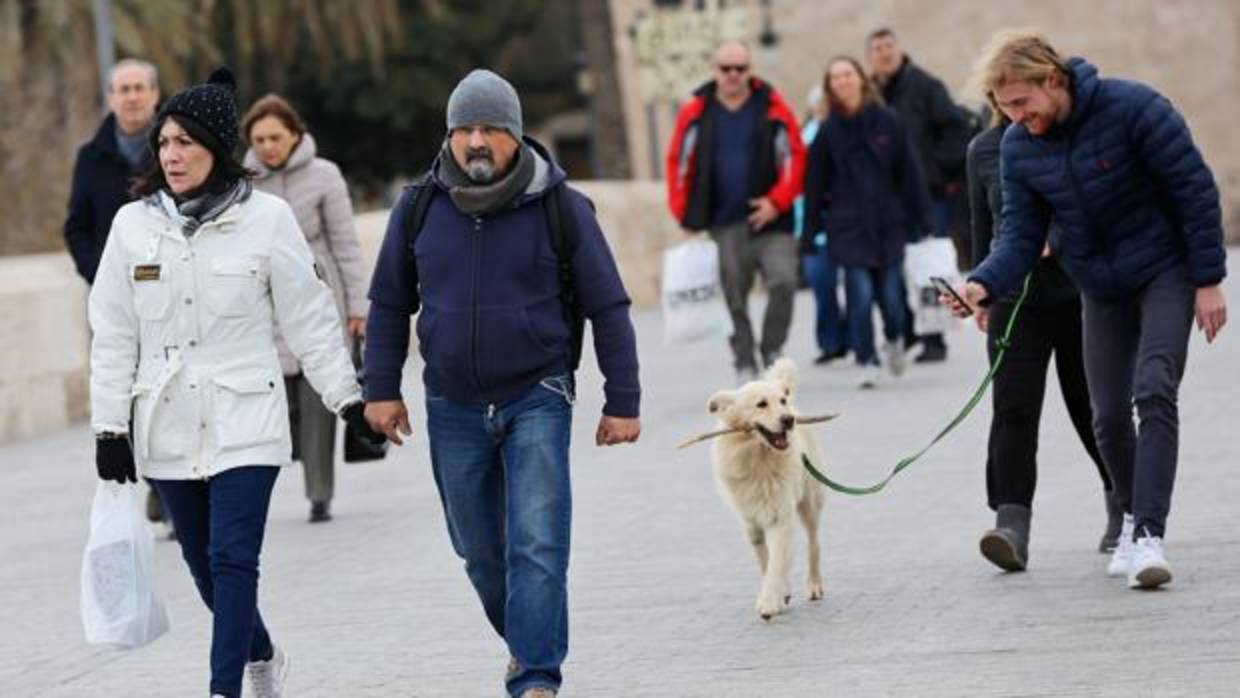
<point>1186,49</point>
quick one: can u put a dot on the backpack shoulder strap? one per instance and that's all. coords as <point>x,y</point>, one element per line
<point>561,222</point>
<point>423,191</point>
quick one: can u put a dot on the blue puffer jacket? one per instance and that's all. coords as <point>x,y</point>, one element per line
<point>1125,185</point>
<point>491,323</point>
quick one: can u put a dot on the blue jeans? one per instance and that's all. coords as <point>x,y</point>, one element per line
<point>862,288</point>
<point>502,474</point>
<point>829,328</point>
<point>219,524</point>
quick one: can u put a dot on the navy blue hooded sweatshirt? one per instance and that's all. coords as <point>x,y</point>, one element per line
<point>1126,187</point>
<point>491,323</point>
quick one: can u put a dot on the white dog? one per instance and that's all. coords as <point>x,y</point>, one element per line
<point>759,472</point>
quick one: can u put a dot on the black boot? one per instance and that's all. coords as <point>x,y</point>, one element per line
<point>320,512</point>
<point>1007,544</point>
<point>1115,521</point>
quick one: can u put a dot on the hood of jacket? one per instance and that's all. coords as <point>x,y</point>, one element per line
<point>547,173</point>
<point>303,154</point>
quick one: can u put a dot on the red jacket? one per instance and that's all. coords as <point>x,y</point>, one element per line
<point>775,171</point>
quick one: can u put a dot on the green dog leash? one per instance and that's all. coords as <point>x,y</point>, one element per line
<point>1003,343</point>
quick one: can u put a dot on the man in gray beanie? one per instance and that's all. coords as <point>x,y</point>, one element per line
<point>510,263</point>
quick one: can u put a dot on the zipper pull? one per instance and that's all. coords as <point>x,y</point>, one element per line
<point>491,411</point>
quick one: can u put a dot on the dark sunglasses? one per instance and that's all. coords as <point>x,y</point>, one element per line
<point>742,68</point>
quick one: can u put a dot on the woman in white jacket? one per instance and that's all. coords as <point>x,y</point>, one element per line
<point>194,276</point>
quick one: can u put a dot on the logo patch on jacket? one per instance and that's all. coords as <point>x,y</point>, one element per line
<point>146,272</point>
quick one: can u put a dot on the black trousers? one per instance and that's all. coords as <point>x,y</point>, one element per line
<point>1018,391</point>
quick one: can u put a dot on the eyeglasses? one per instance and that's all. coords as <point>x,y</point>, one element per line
<point>738,69</point>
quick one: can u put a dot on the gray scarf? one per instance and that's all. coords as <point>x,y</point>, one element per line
<point>208,206</point>
<point>475,199</point>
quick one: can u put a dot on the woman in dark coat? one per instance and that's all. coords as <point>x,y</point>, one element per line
<point>1049,324</point>
<point>863,186</point>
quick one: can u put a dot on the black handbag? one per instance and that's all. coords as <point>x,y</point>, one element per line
<point>357,449</point>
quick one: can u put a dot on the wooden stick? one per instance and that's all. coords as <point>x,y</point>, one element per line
<point>738,430</point>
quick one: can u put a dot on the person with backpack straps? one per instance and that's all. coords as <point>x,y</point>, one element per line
<point>502,262</point>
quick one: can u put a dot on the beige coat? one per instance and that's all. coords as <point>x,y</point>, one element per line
<point>184,334</point>
<point>316,191</point>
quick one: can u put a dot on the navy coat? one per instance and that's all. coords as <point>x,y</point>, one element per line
<point>864,187</point>
<point>1123,182</point>
<point>101,178</point>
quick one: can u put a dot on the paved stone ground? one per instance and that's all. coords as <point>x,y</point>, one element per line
<point>375,604</point>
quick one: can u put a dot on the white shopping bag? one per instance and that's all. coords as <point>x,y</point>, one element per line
<point>693,304</point>
<point>930,257</point>
<point>120,606</point>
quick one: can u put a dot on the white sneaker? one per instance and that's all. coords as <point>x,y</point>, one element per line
<point>870,375</point>
<point>1121,560</point>
<point>893,352</point>
<point>1149,567</point>
<point>267,678</point>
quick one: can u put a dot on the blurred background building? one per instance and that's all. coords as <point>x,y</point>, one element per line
<point>600,79</point>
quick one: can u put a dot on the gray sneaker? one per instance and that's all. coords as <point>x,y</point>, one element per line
<point>267,678</point>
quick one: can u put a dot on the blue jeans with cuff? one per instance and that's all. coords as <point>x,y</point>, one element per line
<point>220,524</point>
<point>503,478</point>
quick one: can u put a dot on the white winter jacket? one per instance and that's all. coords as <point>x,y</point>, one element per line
<point>183,334</point>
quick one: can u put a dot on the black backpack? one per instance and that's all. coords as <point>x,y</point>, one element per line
<point>563,229</point>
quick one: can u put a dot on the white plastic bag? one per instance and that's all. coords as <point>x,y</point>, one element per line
<point>693,304</point>
<point>120,606</point>
<point>929,257</point>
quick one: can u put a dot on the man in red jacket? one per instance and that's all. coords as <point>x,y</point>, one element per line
<point>734,168</point>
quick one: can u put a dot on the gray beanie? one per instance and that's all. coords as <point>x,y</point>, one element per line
<point>484,98</point>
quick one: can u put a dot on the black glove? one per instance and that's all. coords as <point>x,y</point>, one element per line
<point>114,459</point>
<point>354,416</point>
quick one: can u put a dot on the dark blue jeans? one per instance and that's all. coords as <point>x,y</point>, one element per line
<point>1135,352</point>
<point>863,288</point>
<point>219,524</point>
<point>821,274</point>
<point>502,474</point>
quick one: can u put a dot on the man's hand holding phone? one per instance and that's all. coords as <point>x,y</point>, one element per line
<point>960,301</point>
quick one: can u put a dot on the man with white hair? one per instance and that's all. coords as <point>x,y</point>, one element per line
<point>107,162</point>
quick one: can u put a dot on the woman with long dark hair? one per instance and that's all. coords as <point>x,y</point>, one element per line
<point>194,276</point>
<point>862,186</point>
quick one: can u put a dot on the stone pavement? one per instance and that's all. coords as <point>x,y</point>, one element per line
<point>662,583</point>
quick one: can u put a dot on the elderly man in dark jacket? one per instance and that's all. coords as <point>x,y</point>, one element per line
<point>938,134</point>
<point>108,161</point>
<point>1114,165</point>
<point>495,334</point>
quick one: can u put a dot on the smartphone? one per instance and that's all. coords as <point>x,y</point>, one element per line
<point>946,289</point>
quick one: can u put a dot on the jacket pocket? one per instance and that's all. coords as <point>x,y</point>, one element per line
<point>444,342</point>
<point>234,285</point>
<point>249,409</point>
<point>515,342</point>
<point>163,429</point>
<point>152,299</point>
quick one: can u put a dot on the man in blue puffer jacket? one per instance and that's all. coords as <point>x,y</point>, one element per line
<point>1113,164</point>
<point>499,374</point>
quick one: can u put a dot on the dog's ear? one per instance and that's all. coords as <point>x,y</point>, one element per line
<point>785,371</point>
<point>720,401</point>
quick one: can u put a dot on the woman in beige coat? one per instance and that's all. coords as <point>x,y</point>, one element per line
<point>283,155</point>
